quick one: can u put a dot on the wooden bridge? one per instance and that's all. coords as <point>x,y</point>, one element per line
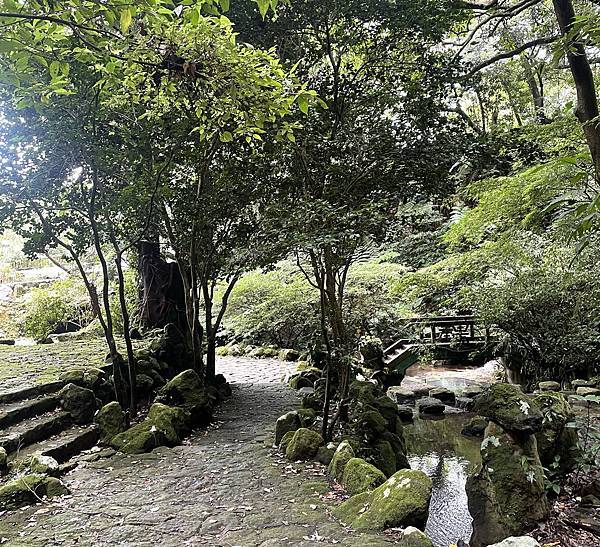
<point>453,338</point>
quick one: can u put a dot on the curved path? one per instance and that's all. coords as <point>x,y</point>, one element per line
<point>224,487</point>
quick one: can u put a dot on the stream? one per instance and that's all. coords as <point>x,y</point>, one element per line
<point>436,447</point>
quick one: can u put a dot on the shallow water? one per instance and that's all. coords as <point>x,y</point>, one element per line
<point>436,447</point>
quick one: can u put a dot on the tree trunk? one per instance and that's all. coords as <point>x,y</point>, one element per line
<point>587,101</point>
<point>537,92</point>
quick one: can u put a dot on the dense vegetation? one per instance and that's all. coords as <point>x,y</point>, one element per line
<point>318,171</point>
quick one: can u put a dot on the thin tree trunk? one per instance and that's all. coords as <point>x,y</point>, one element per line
<point>587,101</point>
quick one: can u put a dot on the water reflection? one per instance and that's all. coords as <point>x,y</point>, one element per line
<point>437,448</point>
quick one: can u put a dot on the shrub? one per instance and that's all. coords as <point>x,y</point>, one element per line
<point>48,308</point>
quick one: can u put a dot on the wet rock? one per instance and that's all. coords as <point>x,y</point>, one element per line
<point>549,386</point>
<point>465,403</point>
<point>405,413</point>
<point>79,402</point>
<point>585,391</point>
<point>402,500</point>
<point>360,476</point>
<point>506,496</point>
<point>402,395</point>
<point>325,453</point>
<point>471,391</point>
<point>303,445</point>
<point>509,407</point>
<point>164,426</point>
<point>187,391</point>
<point>288,422</point>
<point>110,420</point>
<point>475,428</point>
<point>429,405</point>
<point>521,541</point>
<point>384,457</point>
<point>413,537</point>
<point>343,454</point>
<point>558,443</point>
<point>28,489</point>
<point>443,394</point>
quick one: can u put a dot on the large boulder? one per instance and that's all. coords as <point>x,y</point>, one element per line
<point>288,422</point>
<point>29,489</point>
<point>79,402</point>
<point>304,445</point>
<point>506,496</point>
<point>289,355</point>
<point>510,408</point>
<point>187,391</point>
<point>110,420</point>
<point>164,426</point>
<point>360,476</point>
<point>343,454</point>
<point>558,442</point>
<point>402,500</point>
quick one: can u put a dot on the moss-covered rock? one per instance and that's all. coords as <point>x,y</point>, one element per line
<point>475,428</point>
<point>79,402</point>
<point>222,351</point>
<point>388,409</point>
<point>288,422</point>
<point>110,420</point>
<point>549,386</point>
<point>299,381</point>
<point>398,445</point>
<point>325,453</point>
<point>413,537</point>
<point>402,500</point>
<point>361,476</point>
<point>285,440</point>
<point>558,443</point>
<point>506,496</point>
<point>384,457</point>
<point>164,426</point>
<point>289,355</point>
<point>144,384</point>
<point>343,454</point>
<point>303,445</point>
<point>187,391</point>
<point>312,401</point>
<point>43,465</point>
<point>510,408</point>
<point>363,393</point>
<point>28,489</point>
<point>307,416</point>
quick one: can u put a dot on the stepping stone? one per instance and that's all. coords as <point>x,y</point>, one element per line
<point>549,386</point>
<point>429,405</point>
<point>405,413</point>
<point>401,395</point>
<point>443,394</point>
<point>585,391</point>
<point>582,383</point>
<point>464,403</point>
<point>471,391</point>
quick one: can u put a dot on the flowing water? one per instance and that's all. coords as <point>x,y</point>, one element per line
<point>436,447</point>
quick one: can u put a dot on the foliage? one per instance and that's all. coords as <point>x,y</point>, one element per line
<point>51,307</point>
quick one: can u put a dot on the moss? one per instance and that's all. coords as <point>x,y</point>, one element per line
<point>360,476</point>
<point>343,454</point>
<point>222,351</point>
<point>43,465</point>
<point>110,420</point>
<point>79,402</point>
<point>371,423</point>
<point>27,489</point>
<point>384,457</point>
<point>388,409</point>
<point>363,392</point>
<point>307,416</point>
<point>285,440</point>
<point>289,355</point>
<point>510,408</point>
<point>413,537</point>
<point>402,500</point>
<point>297,382</point>
<point>288,422</point>
<point>303,445</point>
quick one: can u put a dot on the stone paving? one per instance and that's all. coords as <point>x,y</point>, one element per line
<point>225,487</point>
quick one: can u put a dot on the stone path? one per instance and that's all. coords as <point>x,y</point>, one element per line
<point>224,487</point>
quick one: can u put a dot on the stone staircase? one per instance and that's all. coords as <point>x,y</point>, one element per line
<point>32,422</point>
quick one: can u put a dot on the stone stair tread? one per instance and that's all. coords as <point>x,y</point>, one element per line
<point>29,392</point>
<point>12,413</point>
<point>66,444</point>
<point>31,431</point>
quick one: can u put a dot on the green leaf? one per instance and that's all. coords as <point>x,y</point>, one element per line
<point>263,7</point>
<point>226,137</point>
<point>302,101</point>
<point>125,21</point>
<point>224,5</point>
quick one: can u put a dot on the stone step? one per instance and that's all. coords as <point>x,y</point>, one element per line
<point>30,392</point>
<point>66,444</point>
<point>13,413</point>
<point>23,434</point>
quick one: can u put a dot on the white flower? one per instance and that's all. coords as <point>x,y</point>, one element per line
<point>491,439</point>
<point>153,429</point>
<point>524,407</point>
